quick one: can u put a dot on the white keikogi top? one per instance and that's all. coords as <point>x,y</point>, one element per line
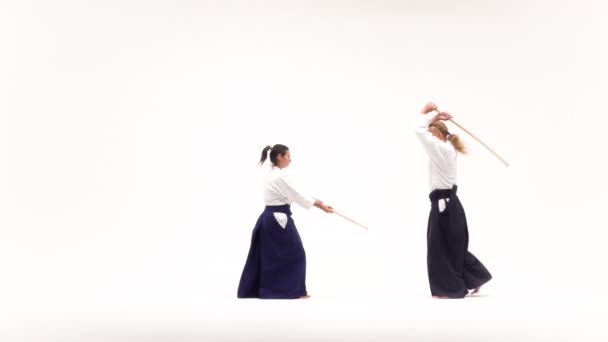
<point>280,189</point>
<point>442,155</point>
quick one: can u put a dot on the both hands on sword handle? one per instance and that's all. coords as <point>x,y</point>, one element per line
<point>429,107</point>
<point>445,116</point>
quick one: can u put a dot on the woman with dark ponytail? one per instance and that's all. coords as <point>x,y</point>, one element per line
<point>276,264</point>
<point>452,269</point>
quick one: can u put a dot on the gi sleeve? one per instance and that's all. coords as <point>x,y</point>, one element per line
<point>436,149</point>
<point>290,189</point>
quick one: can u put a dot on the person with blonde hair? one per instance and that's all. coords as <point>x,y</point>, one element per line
<point>276,263</point>
<point>452,269</point>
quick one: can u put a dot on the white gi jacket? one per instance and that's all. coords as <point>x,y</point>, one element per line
<point>442,156</point>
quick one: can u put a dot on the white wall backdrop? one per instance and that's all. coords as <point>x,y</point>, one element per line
<point>130,132</point>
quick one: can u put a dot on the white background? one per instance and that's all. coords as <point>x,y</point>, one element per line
<point>130,132</point>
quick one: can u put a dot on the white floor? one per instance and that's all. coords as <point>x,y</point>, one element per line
<point>409,317</point>
<point>368,289</point>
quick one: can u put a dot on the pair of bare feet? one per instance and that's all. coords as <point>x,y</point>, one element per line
<point>304,297</point>
<point>476,290</point>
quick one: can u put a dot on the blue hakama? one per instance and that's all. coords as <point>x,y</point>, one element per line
<point>276,264</point>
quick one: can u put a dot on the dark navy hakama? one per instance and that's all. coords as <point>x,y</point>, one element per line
<point>276,264</point>
<point>452,269</point>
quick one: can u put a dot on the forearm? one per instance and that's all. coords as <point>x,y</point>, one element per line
<point>422,122</point>
<point>431,144</point>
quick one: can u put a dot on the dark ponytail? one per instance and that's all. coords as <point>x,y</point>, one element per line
<point>275,151</point>
<point>264,154</point>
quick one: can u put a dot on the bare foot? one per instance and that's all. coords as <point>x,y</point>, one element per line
<point>476,290</point>
<point>304,297</point>
<point>441,297</point>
